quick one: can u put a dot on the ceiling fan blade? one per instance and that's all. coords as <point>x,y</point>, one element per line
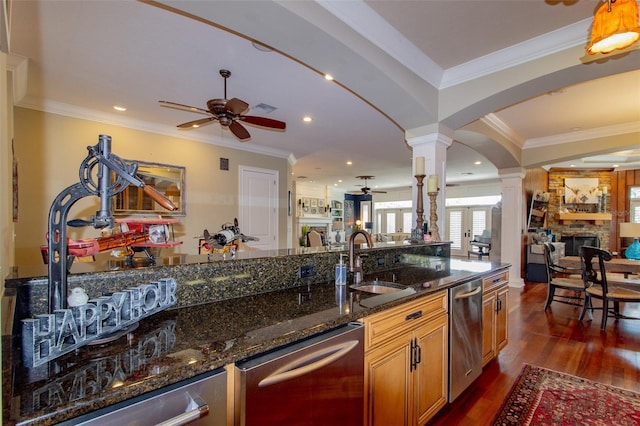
<point>239,131</point>
<point>379,192</point>
<point>264,122</point>
<point>236,106</point>
<point>197,123</point>
<point>182,107</point>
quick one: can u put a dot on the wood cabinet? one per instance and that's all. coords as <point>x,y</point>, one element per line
<point>406,362</point>
<point>495,314</point>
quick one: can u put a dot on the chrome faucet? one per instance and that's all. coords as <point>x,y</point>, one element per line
<point>355,264</point>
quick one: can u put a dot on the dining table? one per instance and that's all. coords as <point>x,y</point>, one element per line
<point>616,264</point>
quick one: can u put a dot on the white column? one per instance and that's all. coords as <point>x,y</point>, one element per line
<point>431,143</point>
<point>512,226</point>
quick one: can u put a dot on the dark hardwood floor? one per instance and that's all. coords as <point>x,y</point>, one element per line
<point>556,340</point>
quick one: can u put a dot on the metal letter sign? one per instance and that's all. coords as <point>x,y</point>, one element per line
<point>49,336</point>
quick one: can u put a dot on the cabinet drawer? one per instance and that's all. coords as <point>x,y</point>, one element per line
<point>494,281</point>
<point>392,322</point>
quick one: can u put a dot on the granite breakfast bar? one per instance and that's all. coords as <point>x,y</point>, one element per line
<point>227,310</point>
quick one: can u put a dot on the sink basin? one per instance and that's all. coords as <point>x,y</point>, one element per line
<point>378,287</point>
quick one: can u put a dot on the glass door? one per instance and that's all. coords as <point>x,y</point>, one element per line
<point>463,223</point>
<point>392,221</point>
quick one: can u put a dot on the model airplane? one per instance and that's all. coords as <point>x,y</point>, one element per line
<point>136,235</point>
<point>227,235</point>
<point>158,233</point>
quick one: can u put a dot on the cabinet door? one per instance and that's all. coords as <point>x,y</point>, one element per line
<point>387,384</point>
<point>501,318</point>
<point>430,377</point>
<point>488,326</point>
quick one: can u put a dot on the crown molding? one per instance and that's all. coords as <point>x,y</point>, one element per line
<point>67,110</point>
<point>520,53</point>
<point>600,132</point>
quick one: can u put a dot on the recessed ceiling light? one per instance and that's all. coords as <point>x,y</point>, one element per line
<point>349,163</point>
<point>477,163</point>
<point>572,165</point>
<point>328,77</point>
<point>119,108</point>
<point>339,180</point>
<point>307,119</point>
<point>556,92</point>
<point>616,165</point>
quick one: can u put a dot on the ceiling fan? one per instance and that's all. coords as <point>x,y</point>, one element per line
<point>365,188</point>
<point>227,112</point>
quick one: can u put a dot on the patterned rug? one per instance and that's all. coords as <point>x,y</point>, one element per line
<point>546,397</point>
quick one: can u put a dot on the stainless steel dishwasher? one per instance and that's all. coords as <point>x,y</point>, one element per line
<point>316,381</point>
<point>465,336</point>
<point>201,400</point>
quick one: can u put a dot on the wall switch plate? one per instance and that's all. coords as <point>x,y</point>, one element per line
<point>306,271</point>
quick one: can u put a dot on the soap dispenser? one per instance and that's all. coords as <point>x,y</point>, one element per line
<point>341,272</point>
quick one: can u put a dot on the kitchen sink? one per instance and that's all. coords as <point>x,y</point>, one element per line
<point>378,287</point>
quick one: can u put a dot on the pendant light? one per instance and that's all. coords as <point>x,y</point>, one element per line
<point>615,26</point>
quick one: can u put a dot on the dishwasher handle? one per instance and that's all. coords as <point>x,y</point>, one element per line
<point>197,409</point>
<point>468,294</point>
<point>300,367</point>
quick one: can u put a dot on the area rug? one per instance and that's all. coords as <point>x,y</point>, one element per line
<point>546,397</point>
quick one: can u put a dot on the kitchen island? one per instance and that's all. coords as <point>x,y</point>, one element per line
<point>227,311</point>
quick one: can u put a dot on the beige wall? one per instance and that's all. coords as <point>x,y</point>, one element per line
<point>6,161</point>
<point>50,149</point>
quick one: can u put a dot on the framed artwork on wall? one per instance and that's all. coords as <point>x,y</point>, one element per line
<point>581,190</point>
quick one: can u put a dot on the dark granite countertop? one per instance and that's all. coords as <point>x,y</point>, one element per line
<point>181,343</point>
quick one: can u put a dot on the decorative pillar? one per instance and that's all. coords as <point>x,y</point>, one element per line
<point>512,226</point>
<point>430,144</point>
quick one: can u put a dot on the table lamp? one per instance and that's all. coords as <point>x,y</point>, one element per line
<point>337,226</point>
<point>631,230</point>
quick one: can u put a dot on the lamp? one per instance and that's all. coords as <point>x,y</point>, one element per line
<point>615,26</point>
<point>337,226</point>
<point>631,230</point>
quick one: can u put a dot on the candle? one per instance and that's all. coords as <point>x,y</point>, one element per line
<point>604,190</point>
<point>419,166</point>
<point>432,183</point>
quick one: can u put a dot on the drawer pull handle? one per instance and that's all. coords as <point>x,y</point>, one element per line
<point>197,409</point>
<point>414,315</point>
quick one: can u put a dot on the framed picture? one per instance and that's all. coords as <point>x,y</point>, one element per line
<point>314,202</point>
<point>320,202</point>
<point>581,190</point>
<point>314,210</point>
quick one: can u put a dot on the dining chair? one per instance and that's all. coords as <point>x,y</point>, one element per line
<point>563,279</point>
<point>597,286</point>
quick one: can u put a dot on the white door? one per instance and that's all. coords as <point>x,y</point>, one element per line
<point>258,201</point>
<point>463,223</point>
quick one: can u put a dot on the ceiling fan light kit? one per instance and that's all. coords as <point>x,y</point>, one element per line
<point>227,112</point>
<point>615,26</point>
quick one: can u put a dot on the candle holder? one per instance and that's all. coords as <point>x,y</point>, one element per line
<point>433,218</point>
<point>419,202</point>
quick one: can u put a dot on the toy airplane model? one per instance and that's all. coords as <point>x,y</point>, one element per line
<point>227,235</point>
<point>136,235</point>
<point>158,233</point>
